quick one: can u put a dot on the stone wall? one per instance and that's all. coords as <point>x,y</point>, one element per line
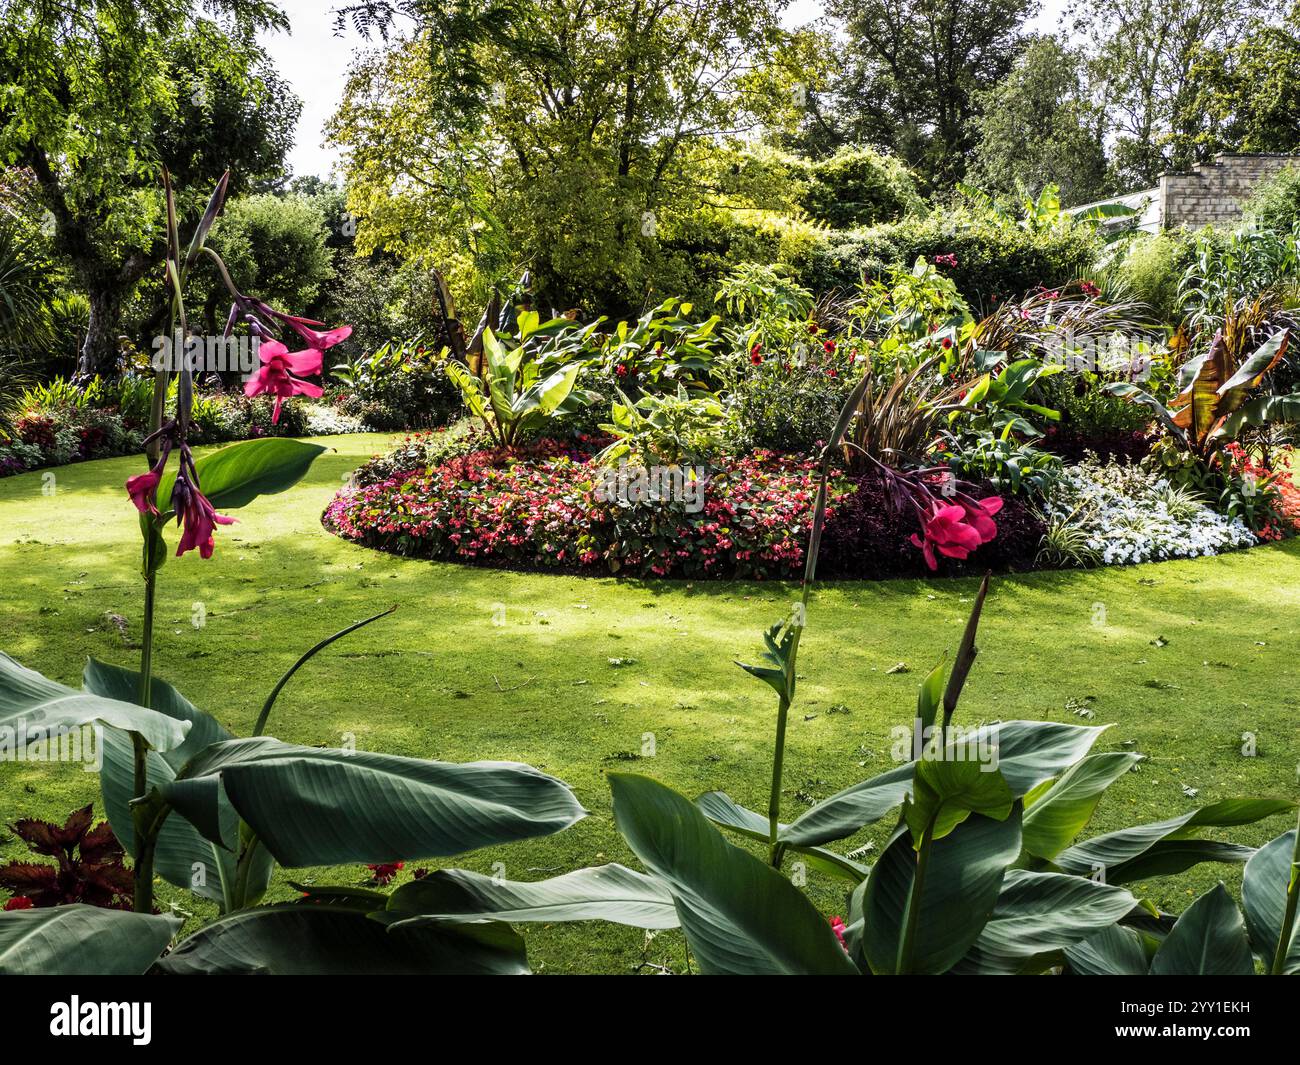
<point>1212,193</point>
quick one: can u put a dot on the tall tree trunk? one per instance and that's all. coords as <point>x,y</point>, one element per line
<point>100,348</point>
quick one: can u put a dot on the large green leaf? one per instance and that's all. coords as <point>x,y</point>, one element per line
<point>1038,915</point>
<point>1208,939</point>
<point>605,893</point>
<point>1058,812</point>
<point>946,792</point>
<point>1166,847</point>
<point>305,939</point>
<point>1026,752</point>
<point>724,811</point>
<point>182,856</point>
<point>1114,951</point>
<point>963,879</point>
<point>739,915</point>
<point>234,476</point>
<point>316,806</point>
<point>82,940</point>
<point>845,812</point>
<point>1264,886</point>
<point>31,702</point>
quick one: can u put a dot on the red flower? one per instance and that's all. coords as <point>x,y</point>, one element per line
<point>945,260</point>
<point>199,518</point>
<point>282,370</point>
<point>838,927</point>
<point>1089,289</point>
<point>620,370</point>
<point>947,531</point>
<point>829,347</point>
<point>385,871</point>
<point>946,343</point>
<point>19,902</point>
<point>755,357</point>
<point>812,328</point>
<point>141,489</point>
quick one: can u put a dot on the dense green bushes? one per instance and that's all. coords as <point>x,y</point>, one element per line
<point>1275,203</point>
<point>995,260</point>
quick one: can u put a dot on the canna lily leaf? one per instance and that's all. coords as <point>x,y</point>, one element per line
<point>605,893</point>
<point>740,916</point>
<point>80,940</point>
<point>314,938</point>
<point>1208,939</point>
<point>315,806</point>
<point>30,702</point>
<point>1267,876</point>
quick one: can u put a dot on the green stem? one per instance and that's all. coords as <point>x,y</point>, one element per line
<point>914,898</point>
<point>774,798</point>
<point>147,819</point>
<point>242,869</point>
<point>1292,903</point>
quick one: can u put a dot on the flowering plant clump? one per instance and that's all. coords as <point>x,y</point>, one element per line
<point>540,506</point>
<point>1128,516</point>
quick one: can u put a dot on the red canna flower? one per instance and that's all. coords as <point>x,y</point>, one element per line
<point>282,372</point>
<point>18,902</point>
<point>946,531</point>
<point>197,516</point>
<point>383,872</point>
<point>838,927</point>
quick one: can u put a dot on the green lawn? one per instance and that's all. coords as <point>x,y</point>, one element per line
<point>1187,657</point>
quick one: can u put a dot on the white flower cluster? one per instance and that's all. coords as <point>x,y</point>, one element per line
<point>1129,516</point>
<point>325,420</point>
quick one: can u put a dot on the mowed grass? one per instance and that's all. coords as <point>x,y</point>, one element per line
<point>1181,659</point>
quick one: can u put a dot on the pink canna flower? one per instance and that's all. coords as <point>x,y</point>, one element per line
<point>198,517</point>
<point>141,489</point>
<point>321,341</point>
<point>979,515</point>
<point>282,372</point>
<point>838,927</point>
<point>946,531</point>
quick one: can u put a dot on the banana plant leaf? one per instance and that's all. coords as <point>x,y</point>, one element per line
<point>313,938</point>
<point>739,915</point>
<point>316,806</point>
<point>80,940</point>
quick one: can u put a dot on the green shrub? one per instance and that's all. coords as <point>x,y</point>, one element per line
<point>858,187</point>
<point>1150,271</point>
<point>1275,203</point>
<point>994,259</point>
<point>785,408</point>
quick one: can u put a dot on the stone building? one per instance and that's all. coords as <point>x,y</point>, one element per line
<point>1209,194</point>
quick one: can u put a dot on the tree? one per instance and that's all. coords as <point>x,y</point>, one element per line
<point>1246,98</point>
<point>1142,55</point>
<point>585,136</point>
<point>914,73</point>
<point>1039,127</point>
<point>100,94</point>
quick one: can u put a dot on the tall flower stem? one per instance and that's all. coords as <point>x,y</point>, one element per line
<point>776,850</point>
<point>1292,904</point>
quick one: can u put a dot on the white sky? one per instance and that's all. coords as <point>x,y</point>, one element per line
<point>315,63</point>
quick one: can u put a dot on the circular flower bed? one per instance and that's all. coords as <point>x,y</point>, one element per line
<point>540,507</point>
